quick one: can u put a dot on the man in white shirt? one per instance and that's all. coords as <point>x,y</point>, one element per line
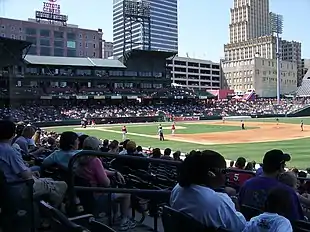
<point>272,220</point>
<point>200,173</point>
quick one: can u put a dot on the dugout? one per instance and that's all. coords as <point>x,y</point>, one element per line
<point>147,61</point>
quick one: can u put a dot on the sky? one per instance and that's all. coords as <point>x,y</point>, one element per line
<point>203,24</point>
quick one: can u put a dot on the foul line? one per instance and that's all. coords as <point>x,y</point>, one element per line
<point>153,136</point>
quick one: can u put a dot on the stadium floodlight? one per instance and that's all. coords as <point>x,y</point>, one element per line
<point>276,24</point>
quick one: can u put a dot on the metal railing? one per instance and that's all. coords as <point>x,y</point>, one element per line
<point>72,188</point>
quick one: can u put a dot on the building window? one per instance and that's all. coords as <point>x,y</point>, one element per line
<point>94,55</point>
<point>94,45</point>
<point>94,37</point>
<point>58,44</point>
<point>31,31</point>
<point>44,33</point>
<point>86,36</point>
<point>86,45</point>
<point>45,42</point>
<point>58,35</point>
<point>13,36</point>
<point>71,53</point>
<point>31,39</point>
<point>32,50</point>
<point>45,51</point>
<point>71,36</point>
<point>20,29</point>
<point>12,28</point>
<point>58,52</point>
<point>71,44</point>
<point>3,26</point>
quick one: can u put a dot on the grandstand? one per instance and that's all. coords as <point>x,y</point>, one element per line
<point>71,178</point>
<point>304,89</point>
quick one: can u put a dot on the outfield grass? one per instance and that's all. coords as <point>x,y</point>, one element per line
<point>299,148</point>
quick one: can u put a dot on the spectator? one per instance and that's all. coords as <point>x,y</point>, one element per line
<point>14,169</point>
<point>91,169</point>
<point>68,144</point>
<point>273,219</point>
<point>82,137</point>
<point>156,153</point>
<point>25,140</point>
<point>105,146</point>
<point>249,166</point>
<point>140,151</point>
<point>124,147</point>
<point>231,163</point>
<point>254,191</point>
<point>177,155</point>
<point>167,153</point>
<point>114,148</point>
<point>290,179</point>
<point>131,148</point>
<point>240,163</point>
<point>200,173</point>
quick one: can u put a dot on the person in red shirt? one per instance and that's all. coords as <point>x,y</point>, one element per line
<point>124,132</point>
<point>93,123</point>
<point>173,128</point>
<point>235,178</point>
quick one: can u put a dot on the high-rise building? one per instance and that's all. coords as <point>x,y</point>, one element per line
<point>53,39</point>
<point>250,57</point>
<point>107,49</point>
<point>163,27</point>
<point>249,20</point>
<point>291,51</point>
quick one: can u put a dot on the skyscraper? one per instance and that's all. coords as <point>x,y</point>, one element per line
<point>250,56</point>
<point>163,26</point>
<point>249,20</point>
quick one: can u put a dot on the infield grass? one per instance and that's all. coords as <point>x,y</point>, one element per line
<point>298,148</point>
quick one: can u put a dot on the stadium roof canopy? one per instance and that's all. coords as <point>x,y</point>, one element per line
<point>73,61</point>
<point>146,53</point>
<point>12,51</point>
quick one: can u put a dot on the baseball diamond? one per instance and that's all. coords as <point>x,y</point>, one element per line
<point>225,137</point>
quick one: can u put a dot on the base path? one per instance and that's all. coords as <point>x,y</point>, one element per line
<point>265,132</point>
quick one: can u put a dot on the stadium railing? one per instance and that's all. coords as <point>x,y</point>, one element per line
<point>154,194</point>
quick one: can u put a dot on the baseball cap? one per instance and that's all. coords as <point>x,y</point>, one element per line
<point>274,158</point>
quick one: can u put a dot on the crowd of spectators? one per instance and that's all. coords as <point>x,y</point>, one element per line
<point>204,188</point>
<point>39,113</point>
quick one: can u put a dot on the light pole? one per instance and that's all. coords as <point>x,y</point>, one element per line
<point>277,28</point>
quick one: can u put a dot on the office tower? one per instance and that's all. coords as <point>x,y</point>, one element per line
<point>291,51</point>
<point>249,20</point>
<point>163,26</point>
<point>250,57</point>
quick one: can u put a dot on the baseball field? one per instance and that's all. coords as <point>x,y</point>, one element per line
<point>226,138</point>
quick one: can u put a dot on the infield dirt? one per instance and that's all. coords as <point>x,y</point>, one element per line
<point>263,132</point>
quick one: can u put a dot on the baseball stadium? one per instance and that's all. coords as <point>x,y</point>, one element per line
<point>105,145</point>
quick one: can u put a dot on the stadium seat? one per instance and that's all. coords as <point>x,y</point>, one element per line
<point>249,211</point>
<point>59,222</point>
<point>174,221</point>
<point>301,226</point>
<point>16,203</point>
